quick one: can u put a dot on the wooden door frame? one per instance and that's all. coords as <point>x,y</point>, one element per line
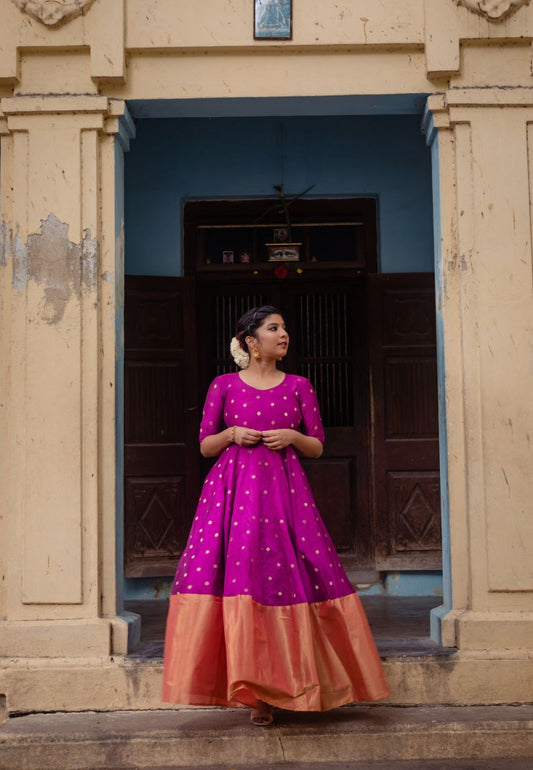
<point>367,526</point>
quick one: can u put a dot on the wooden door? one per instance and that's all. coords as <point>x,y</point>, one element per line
<point>326,320</point>
<point>368,345</point>
<point>160,422</point>
<point>405,441</point>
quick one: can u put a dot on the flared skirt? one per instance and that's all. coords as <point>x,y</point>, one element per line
<point>233,651</point>
<point>261,607</point>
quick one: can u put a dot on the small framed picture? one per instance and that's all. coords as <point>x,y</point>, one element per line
<point>227,257</point>
<point>283,252</point>
<point>281,234</point>
<point>273,19</point>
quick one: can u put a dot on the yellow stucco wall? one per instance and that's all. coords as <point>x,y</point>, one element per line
<point>63,92</point>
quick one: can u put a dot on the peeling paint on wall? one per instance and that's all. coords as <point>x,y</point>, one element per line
<point>4,243</point>
<point>50,259</point>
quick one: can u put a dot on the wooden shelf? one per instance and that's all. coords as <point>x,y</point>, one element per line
<point>334,235</point>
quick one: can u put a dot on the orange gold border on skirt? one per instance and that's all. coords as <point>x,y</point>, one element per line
<point>233,651</point>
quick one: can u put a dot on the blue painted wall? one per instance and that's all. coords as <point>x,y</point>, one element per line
<point>438,613</point>
<point>390,584</point>
<point>174,159</point>
<point>119,372</point>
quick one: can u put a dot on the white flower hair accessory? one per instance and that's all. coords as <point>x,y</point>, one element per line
<point>240,356</point>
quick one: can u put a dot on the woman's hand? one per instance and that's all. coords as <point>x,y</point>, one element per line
<point>213,445</point>
<point>308,446</point>
<point>246,436</point>
<point>278,439</point>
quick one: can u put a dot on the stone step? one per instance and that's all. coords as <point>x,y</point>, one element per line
<point>128,683</point>
<point>422,764</point>
<point>224,738</point>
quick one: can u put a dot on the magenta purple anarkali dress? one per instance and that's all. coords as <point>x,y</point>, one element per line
<point>261,608</point>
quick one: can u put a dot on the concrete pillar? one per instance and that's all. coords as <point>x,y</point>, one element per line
<point>59,245</point>
<point>483,148</point>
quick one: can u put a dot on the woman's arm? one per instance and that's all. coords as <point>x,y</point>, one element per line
<point>308,446</point>
<point>213,445</point>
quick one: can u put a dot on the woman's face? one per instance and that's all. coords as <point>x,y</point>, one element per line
<point>272,340</point>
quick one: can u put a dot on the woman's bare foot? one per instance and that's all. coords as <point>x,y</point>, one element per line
<point>262,714</point>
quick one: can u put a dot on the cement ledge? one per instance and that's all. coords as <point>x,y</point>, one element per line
<point>125,683</point>
<point>224,737</point>
<point>55,637</point>
<point>494,630</point>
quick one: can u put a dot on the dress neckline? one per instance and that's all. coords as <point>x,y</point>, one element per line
<point>261,390</point>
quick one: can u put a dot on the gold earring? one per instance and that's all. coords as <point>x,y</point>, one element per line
<point>257,355</point>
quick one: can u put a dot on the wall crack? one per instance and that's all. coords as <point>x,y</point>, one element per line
<point>280,741</point>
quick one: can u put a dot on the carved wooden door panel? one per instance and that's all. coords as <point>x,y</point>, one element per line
<point>160,422</point>
<point>405,442</point>
<point>327,324</point>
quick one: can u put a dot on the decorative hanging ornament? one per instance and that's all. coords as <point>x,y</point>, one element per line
<point>281,271</point>
<point>53,13</point>
<point>493,10</point>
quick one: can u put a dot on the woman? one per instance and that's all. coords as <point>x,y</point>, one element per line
<point>262,613</point>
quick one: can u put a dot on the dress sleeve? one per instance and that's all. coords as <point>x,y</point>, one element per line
<point>213,413</point>
<point>311,421</point>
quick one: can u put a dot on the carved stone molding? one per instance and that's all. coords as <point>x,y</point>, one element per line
<point>53,13</point>
<point>493,10</point>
